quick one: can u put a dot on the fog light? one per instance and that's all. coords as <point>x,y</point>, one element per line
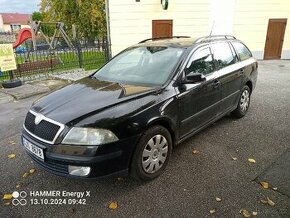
<point>79,170</point>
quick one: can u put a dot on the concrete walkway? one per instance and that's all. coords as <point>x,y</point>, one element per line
<point>38,87</point>
<point>30,89</point>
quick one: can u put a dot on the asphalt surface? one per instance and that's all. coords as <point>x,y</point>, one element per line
<point>191,182</point>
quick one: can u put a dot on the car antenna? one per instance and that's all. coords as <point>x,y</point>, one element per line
<point>211,29</point>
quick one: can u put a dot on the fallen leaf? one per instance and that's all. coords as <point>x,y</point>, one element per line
<point>120,179</point>
<point>275,188</point>
<point>265,185</point>
<point>255,213</point>
<point>31,171</point>
<point>113,205</point>
<point>11,156</point>
<point>234,158</point>
<point>7,196</point>
<point>194,151</point>
<point>270,202</point>
<point>25,175</point>
<point>245,213</point>
<point>212,211</point>
<point>264,201</point>
<point>218,199</point>
<point>71,209</point>
<point>7,203</point>
<point>251,160</point>
<point>12,142</point>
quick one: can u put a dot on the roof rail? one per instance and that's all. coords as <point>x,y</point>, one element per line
<point>214,37</point>
<point>159,38</point>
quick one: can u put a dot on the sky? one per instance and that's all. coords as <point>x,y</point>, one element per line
<point>19,6</point>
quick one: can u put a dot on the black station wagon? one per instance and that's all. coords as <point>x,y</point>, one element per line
<point>127,116</point>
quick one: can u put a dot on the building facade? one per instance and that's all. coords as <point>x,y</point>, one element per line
<point>13,22</point>
<point>261,24</point>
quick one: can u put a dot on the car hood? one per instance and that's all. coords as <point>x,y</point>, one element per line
<point>87,97</point>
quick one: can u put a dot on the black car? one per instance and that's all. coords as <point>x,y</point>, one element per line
<point>127,117</point>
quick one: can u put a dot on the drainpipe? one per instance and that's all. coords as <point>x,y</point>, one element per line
<point>108,30</point>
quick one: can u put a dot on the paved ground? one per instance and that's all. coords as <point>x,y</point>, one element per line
<point>191,183</point>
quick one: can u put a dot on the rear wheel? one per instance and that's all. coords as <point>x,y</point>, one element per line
<point>152,153</point>
<point>244,103</point>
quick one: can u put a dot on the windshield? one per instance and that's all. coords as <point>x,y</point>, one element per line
<point>141,65</point>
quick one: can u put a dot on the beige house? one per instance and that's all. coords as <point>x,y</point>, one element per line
<point>13,22</point>
<point>261,24</point>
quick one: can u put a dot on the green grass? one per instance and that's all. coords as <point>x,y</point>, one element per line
<point>68,61</point>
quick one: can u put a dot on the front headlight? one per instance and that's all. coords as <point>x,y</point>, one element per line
<point>89,136</point>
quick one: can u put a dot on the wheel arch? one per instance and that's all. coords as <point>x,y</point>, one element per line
<point>166,123</point>
<point>250,85</point>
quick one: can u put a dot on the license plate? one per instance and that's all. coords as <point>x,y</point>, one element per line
<point>33,149</point>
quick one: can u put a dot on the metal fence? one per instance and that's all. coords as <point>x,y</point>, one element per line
<point>88,57</point>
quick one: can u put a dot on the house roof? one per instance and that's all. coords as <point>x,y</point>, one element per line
<point>15,18</point>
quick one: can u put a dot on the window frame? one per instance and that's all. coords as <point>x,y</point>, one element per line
<point>193,52</point>
<point>234,54</point>
<point>240,42</point>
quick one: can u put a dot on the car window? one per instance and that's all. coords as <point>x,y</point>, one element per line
<point>223,54</point>
<point>150,65</point>
<point>200,62</point>
<point>242,51</point>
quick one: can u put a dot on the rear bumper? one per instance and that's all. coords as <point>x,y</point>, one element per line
<point>109,160</point>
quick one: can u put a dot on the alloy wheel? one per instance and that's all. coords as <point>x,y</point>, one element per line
<point>245,100</point>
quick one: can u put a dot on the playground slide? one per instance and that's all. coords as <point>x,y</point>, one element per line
<point>23,35</point>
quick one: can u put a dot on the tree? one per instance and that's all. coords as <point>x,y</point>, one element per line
<point>37,16</point>
<point>87,15</point>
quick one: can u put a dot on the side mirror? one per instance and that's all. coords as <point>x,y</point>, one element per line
<point>194,77</point>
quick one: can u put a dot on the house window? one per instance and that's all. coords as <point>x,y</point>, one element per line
<point>15,27</point>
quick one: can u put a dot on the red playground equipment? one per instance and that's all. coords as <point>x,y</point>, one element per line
<point>23,35</point>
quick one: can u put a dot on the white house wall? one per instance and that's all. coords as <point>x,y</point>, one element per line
<point>251,23</point>
<point>1,23</point>
<point>131,21</point>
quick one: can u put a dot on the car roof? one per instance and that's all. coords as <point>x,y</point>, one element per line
<point>172,42</point>
<point>183,42</point>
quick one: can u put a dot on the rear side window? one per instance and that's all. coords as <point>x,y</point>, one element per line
<point>223,54</point>
<point>242,51</point>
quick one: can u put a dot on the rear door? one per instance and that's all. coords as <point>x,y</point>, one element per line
<point>199,102</point>
<point>230,75</point>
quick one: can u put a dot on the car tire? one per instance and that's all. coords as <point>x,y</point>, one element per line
<point>244,103</point>
<point>11,84</point>
<point>151,154</point>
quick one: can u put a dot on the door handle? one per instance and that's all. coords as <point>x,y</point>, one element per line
<point>216,83</point>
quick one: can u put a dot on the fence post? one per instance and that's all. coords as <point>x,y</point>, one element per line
<point>105,46</point>
<point>79,53</point>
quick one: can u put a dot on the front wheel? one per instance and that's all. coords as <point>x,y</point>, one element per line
<point>244,103</point>
<point>152,154</point>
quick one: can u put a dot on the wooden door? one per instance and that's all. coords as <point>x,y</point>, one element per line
<point>161,28</point>
<point>275,38</point>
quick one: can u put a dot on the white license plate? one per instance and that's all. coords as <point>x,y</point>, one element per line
<point>33,149</point>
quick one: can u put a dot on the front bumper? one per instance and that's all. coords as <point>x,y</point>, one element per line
<point>109,160</point>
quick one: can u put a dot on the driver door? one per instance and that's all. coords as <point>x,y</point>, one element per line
<point>199,102</point>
